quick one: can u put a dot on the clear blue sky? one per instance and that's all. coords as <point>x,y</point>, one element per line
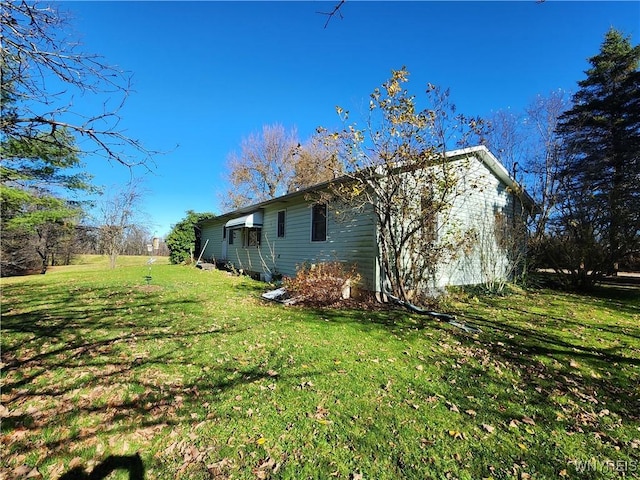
<point>207,74</point>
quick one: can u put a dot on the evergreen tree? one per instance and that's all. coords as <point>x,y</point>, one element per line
<point>600,220</point>
<point>34,175</point>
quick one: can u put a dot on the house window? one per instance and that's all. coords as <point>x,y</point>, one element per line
<point>232,236</point>
<point>281,219</point>
<point>319,222</point>
<point>254,237</point>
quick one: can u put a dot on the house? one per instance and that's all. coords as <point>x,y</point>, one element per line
<point>278,235</point>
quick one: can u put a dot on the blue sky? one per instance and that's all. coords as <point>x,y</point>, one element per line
<point>207,74</point>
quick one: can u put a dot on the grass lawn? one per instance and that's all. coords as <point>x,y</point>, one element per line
<point>203,379</point>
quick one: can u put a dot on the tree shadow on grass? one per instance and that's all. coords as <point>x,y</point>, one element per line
<point>129,463</point>
<point>530,347</point>
<point>394,320</point>
<point>100,400</point>
<point>549,361</point>
<point>83,364</point>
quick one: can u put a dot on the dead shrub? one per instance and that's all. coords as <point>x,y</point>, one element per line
<point>321,284</point>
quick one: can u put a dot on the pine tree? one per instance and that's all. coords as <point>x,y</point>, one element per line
<point>601,136</point>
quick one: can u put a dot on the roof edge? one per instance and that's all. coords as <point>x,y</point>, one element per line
<point>481,151</point>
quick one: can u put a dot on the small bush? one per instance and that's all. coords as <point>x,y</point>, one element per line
<point>321,284</point>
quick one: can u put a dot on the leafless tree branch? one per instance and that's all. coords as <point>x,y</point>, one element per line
<point>336,11</point>
<point>43,74</point>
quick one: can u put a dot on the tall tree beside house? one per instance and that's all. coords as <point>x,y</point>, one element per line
<point>529,146</point>
<point>183,240</point>
<point>264,167</point>
<point>274,163</point>
<point>543,166</point>
<point>599,225</point>
<point>397,169</point>
<point>317,161</point>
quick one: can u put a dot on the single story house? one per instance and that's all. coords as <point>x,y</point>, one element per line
<point>278,235</point>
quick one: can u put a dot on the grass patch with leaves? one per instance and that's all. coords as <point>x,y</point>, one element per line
<point>203,379</point>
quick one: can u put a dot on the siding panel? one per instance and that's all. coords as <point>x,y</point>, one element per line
<point>350,241</point>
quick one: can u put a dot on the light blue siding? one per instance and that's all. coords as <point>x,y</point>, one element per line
<point>351,241</point>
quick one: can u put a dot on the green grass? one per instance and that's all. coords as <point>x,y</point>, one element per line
<point>84,262</point>
<point>204,380</point>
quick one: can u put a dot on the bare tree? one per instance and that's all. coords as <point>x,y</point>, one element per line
<point>118,215</point>
<point>317,161</point>
<point>397,168</point>
<point>264,168</point>
<point>337,10</point>
<point>545,161</point>
<point>527,144</point>
<point>136,239</point>
<point>506,136</point>
<point>43,73</point>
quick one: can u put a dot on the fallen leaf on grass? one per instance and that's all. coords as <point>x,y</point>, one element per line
<point>488,428</point>
<point>34,474</point>
<point>456,434</point>
<point>453,407</point>
<point>219,469</point>
<point>25,471</point>
<point>321,412</point>
<point>471,413</point>
<point>528,420</point>
<point>266,468</point>
<point>56,470</point>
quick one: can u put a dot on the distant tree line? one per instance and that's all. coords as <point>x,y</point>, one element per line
<point>59,244</point>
